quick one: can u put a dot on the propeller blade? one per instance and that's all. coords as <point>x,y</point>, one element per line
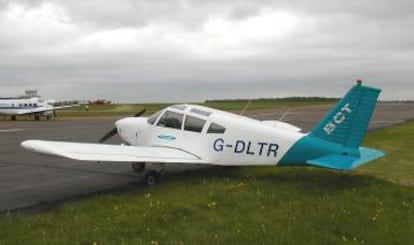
<point>108,135</point>
<point>140,113</point>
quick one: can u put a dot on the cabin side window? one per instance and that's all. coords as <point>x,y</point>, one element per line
<point>194,124</point>
<point>171,119</point>
<point>216,129</point>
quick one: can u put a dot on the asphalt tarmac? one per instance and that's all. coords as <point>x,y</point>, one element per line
<point>30,180</point>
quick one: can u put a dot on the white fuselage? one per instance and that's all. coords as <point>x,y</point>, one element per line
<point>245,141</point>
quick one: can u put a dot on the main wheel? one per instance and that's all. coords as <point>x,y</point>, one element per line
<point>13,117</point>
<point>138,166</point>
<point>36,117</point>
<point>152,177</point>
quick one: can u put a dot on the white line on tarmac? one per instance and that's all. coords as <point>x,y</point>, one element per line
<point>10,130</point>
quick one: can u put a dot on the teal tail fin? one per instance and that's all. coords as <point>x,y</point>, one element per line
<point>347,123</point>
<point>335,141</point>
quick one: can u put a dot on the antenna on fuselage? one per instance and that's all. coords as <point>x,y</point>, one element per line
<point>284,114</point>
<point>245,107</point>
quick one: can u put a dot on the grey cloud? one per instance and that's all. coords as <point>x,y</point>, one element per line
<point>368,39</point>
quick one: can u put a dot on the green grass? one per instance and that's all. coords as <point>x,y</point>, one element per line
<point>229,105</point>
<point>398,165</point>
<point>264,205</point>
<point>123,110</point>
<point>258,104</point>
<point>113,110</point>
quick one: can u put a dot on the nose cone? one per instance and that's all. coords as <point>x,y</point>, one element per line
<point>129,127</point>
<point>130,122</point>
<point>122,123</point>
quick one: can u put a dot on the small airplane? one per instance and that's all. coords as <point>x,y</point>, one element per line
<point>193,134</point>
<point>29,106</point>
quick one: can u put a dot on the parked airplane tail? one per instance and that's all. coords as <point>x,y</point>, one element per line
<point>335,141</point>
<point>346,125</point>
<point>348,121</point>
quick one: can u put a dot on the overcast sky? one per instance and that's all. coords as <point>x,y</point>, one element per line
<point>179,50</point>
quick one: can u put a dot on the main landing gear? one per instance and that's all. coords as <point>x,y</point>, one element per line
<point>138,166</point>
<point>152,176</point>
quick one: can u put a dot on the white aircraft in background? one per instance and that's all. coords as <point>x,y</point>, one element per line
<point>192,134</point>
<point>29,106</point>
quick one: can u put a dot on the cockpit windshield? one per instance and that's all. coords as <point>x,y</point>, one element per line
<point>153,118</point>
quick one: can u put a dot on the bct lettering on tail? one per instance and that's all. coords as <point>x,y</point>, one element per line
<point>339,118</point>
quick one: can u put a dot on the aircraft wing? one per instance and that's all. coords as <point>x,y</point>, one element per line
<point>111,153</point>
<point>64,106</point>
<point>41,109</point>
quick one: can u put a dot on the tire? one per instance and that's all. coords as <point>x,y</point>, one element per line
<point>36,117</point>
<point>152,178</point>
<point>138,166</point>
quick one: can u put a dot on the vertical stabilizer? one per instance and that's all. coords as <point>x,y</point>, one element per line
<point>347,122</point>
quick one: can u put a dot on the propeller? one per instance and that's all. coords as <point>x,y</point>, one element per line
<point>114,131</point>
<point>54,113</point>
<point>140,113</point>
<point>109,135</point>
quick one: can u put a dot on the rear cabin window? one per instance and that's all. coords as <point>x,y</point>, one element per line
<point>216,129</point>
<point>194,124</point>
<point>154,117</point>
<point>171,119</point>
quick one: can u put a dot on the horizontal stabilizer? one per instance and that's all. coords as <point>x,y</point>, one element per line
<point>346,162</point>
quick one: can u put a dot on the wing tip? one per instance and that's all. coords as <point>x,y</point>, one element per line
<point>29,144</point>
